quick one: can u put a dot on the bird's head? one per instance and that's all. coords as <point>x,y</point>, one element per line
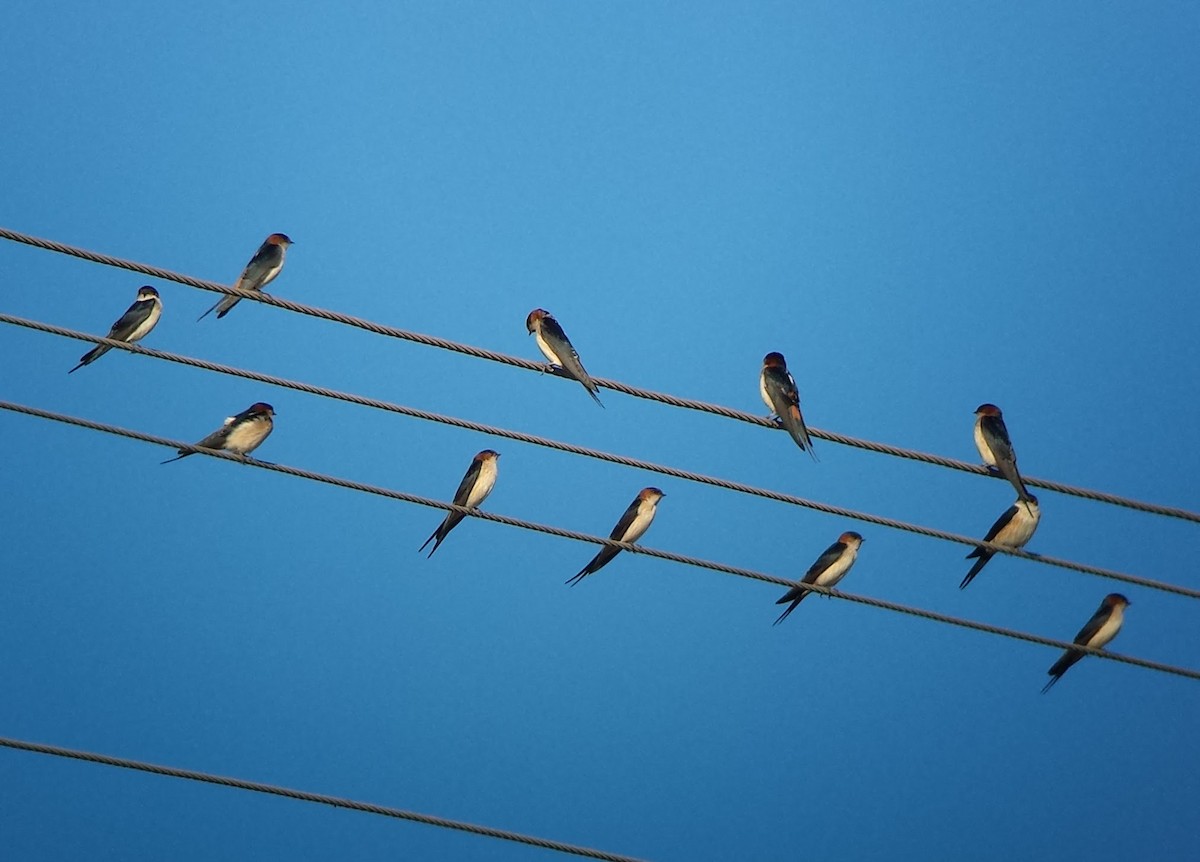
<point>535,317</point>
<point>851,539</point>
<point>650,495</point>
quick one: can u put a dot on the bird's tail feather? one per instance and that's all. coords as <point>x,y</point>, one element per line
<point>975,569</point>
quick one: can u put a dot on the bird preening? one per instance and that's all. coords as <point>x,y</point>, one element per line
<point>558,350</point>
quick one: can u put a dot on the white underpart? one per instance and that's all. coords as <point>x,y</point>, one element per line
<point>546,349</point>
<point>1109,630</point>
<point>149,323</point>
<point>247,282</point>
<point>1020,529</point>
<point>483,484</point>
<point>838,570</point>
<point>248,436</point>
<point>985,451</point>
<point>641,521</point>
<point>762,390</point>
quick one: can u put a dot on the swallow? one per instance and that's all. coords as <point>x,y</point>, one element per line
<point>472,490</point>
<point>241,434</point>
<point>556,347</point>
<point>829,568</point>
<point>630,528</point>
<point>1012,530</point>
<point>1100,629</point>
<point>259,272</point>
<point>778,391</point>
<point>995,447</point>
<point>134,325</point>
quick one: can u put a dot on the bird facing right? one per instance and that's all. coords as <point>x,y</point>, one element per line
<point>478,482</point>
<point>262,269</point>
<point>1100,629</point>
<point>241,434</point>
<point>1012,530</point>
<point>829,568</point>
<point>630,528</point>
<point>134,325</point>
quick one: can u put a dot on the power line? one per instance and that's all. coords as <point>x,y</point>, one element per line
<point>307,796</point>
<point>674,472</point>
<point>586,537</point>
<point>616,386</point>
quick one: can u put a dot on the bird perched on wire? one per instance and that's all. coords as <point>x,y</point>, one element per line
<point>134,325</point>
<point>1100,629</point>
<point>1012,530</point>
<point>779,393</point>
<point>557,348</point>
<point>630,528</point>
<point>829,568</point>
<point>241,434</point>
<point>995,447</point>
<point>472,491</point>
<point>262,269</point>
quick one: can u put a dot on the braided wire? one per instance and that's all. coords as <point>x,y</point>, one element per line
<point>616,386</point>
<point>738,571</point>
<point>307,796</point>
<point>638,463</point>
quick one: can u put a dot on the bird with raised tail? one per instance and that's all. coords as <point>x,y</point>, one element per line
<point>262,269</point>
<point>630,528</point>
<point>241,434</point>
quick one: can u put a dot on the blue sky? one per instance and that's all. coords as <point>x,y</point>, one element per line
<point>923,206</point>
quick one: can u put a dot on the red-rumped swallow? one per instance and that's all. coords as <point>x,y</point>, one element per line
<point>778,391</point>
<point>556,347</point>
<point>630,528</point>
<point>472,490</point>
<point>1012,530</point>
<point>134,325</point>
<point>259,272</point>
<point>1100,629</point>
<point>829,568</point>
<point>240,434</point>
<point>995,448</point>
